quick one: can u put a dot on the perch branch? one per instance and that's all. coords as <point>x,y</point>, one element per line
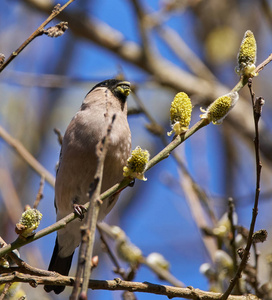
<point>164,153</point>
<point>117,187</point>
<point>118,284</point>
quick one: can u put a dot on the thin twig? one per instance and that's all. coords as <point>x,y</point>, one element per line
<point>232,240</point>
<point>25,154</point>
<point>162,273</point>
<point>256,115</point>
<point>118,269</point>
<point>9,195</point>
<point>233,231</point>
<point>40,192</point>
<point>23,267</point>
<point>88,230</point>
<point>143,109</point>
<point>145,39</point>
<point>261,66</point>
<point>194,202</point>
<point>5,290</point>
<point>59,135</point>
<point>184,52</point>
<point>39,31</point>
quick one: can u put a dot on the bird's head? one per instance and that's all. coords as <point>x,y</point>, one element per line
<point>119,88</point>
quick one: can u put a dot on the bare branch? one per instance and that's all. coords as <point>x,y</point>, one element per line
<point>21,150</point>
<point>162,273</point>
<point>10,197</point>
<point>59,135</point>
<point>88,230</point>
<point>39,31</point>
<point>40,192</point>
<point>118,284</point>
<point>5,290</point>
<point>180,48</point>
<point>245,256</point>
<point>261,66</point>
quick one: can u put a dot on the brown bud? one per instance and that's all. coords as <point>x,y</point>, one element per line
<point>2,59</point>
<point>241,252</point>
<point>259,236</point>
<point>56,30</point>
<point>259,105</point>
<point>56,8</point>
<point>19,228</point>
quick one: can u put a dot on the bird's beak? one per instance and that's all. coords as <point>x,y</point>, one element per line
<point>123,87</point>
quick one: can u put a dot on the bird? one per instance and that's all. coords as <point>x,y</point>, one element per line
<point>78,163</point>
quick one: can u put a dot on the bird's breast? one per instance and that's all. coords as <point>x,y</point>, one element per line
<point>79,159</point>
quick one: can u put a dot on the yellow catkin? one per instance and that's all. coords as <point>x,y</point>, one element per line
<point>181,109</point>
<point>218,110</point>
<point>247,55</point>
<point>180,113</point>
<point>136,163</point>
<point>29,221</point>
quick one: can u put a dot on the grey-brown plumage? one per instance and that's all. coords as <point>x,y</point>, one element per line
<point>78,161</point>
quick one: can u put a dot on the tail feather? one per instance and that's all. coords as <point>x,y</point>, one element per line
<point>61,265</point>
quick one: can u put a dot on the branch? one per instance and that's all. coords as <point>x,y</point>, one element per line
<point>23,267</point>
<point>9,195</point>
<point>189,185</point>
<point>184,53</point>
<point>39,31</point>
<point>40,193</point>
<point>118,284</point>
<point>161,272</point>
<point>23,152</point>
<point>146,45</point>
<point>261,66</point>
<point>233,232</point>
<point>256,105</point>
<point>107,249</point>
<point>19,242</point>
<point>164,72</point>
<point>164,274</point>
<point>5,290</point>
<point>164,153</point>
<point>88,230</point>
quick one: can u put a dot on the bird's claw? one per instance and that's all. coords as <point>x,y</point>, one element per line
<point>79,210</point>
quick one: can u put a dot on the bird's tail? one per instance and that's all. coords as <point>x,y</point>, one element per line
<point>61,265</point>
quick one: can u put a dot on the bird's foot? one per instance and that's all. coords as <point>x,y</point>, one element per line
<point>79,210</point>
